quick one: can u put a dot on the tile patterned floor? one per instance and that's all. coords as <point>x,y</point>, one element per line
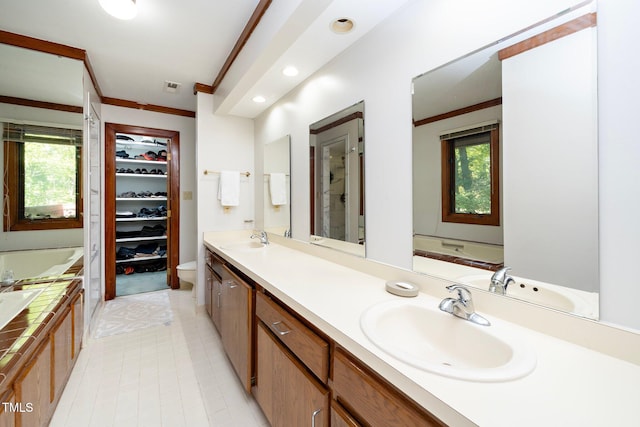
<point>172,376</point>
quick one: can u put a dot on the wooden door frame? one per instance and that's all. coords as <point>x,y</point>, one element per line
<point>173,201</point>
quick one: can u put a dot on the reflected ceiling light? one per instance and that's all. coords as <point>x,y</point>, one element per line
<point>342,25</point>
<point>121,9</point>
<point>259,99</point>
<point>290,71</point>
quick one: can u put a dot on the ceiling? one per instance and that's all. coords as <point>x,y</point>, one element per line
<point>187,42</point>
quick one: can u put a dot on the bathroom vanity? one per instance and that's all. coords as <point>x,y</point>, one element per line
<point>39,347</point>
<point>309,305</point>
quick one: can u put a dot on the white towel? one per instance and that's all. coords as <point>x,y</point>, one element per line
<point>229,188</point>
<point>278,188</point>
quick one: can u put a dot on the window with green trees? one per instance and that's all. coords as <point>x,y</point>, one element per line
<point>43,178</point>
<point>470,176</point>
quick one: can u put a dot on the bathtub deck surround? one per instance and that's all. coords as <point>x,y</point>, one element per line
<point>37,263</point>
<point>332,291</point>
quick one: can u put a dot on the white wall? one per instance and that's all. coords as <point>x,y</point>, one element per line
<point>551,172</point>
<point>619,151</point>
<point>186,127</point>
<point>223,143</point>
<point>379,69</point>
<point>19,240</point>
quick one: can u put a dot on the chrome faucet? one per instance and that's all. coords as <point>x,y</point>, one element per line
<point>462,306</point>
<point>262,235</point>
<point>500,280</point>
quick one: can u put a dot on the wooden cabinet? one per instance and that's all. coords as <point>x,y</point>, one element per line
<point>371,400</point>
<point>7,414</point>
<point>236,324</point>
<point>311,349</point>
<point>77,313</point>
<point>213,288</point>
<point>62,349</point>
<point>41,374</point>
<point>33,389</point>
<point>340,417</point>
<point>285,390</point>
<point>208,289</point>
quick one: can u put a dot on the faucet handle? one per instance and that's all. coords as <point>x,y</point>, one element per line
<point>464,294</point>
<point>501,275</point>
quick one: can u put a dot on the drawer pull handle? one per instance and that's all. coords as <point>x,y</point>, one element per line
<point>313,417</point>
<point>231,284</point>
<point>276,328</point>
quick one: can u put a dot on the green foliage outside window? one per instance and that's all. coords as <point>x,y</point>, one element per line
<point>50,180</point>
<point>472,178</point>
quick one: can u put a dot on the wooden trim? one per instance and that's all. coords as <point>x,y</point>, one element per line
<point>148,107</point>
<point>92,75</point>
<point>173,201</point>
<point>448,200</point>
<point>32,43</point>
<point>346,119</point>
<point>242,40</point>
<point>40,104</point>
<point>201,87</point>
<point>568,28</point>
<point>459,112</point>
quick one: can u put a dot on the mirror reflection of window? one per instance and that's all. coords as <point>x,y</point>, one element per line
<point>470,176</point>
<point>40,196</point>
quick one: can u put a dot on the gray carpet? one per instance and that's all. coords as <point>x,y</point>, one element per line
<point>138,283</point>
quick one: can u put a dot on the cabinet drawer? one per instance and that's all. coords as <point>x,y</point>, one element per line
<point>372,401</point>
<point>312,350</point>
<point>215,262</point>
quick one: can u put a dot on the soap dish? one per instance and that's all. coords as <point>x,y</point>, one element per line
<point>402,289</point>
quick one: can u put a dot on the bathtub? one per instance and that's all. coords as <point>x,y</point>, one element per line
<point>36,263</point>
<point>485,252</point>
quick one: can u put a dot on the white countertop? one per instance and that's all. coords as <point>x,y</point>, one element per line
<point>571,385</point>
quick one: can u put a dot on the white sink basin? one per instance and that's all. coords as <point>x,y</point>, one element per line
<point>438,342</point>
<point>13,302</point>
<point>250,245</point>
<point>552,296</point>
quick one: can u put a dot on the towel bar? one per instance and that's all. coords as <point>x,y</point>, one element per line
<point>207,172</point>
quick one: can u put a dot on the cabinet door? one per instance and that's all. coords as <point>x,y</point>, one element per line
<point>77,310</point>
<point>286,392</point>
<point>341,418</point>
<point>61,353</point>
<point>208,290</point>
<point>374,402</point>
<point>7,415</point>
<point>236,324</point>
<point>34,387</point>
<point>216,301</point>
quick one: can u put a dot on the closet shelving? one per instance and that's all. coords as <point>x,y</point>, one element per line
<point>141,207</point>
<point>141,188</point>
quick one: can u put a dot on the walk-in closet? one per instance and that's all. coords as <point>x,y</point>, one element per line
<point>141,209</point>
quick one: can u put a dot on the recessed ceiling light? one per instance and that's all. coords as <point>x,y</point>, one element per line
<point>342,25</point>
<point>259,99</point>
<point>290,71</point>
<point>121,9</point>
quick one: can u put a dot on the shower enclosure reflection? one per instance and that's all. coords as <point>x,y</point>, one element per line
<point>337,180</point>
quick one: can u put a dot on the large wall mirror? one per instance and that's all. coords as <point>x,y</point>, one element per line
<point>41,95</point>
<point>337,180</point>
<point>277,186</point>
<point>505,166</point>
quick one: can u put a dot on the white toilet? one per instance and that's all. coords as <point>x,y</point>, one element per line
<point>187,272</point>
